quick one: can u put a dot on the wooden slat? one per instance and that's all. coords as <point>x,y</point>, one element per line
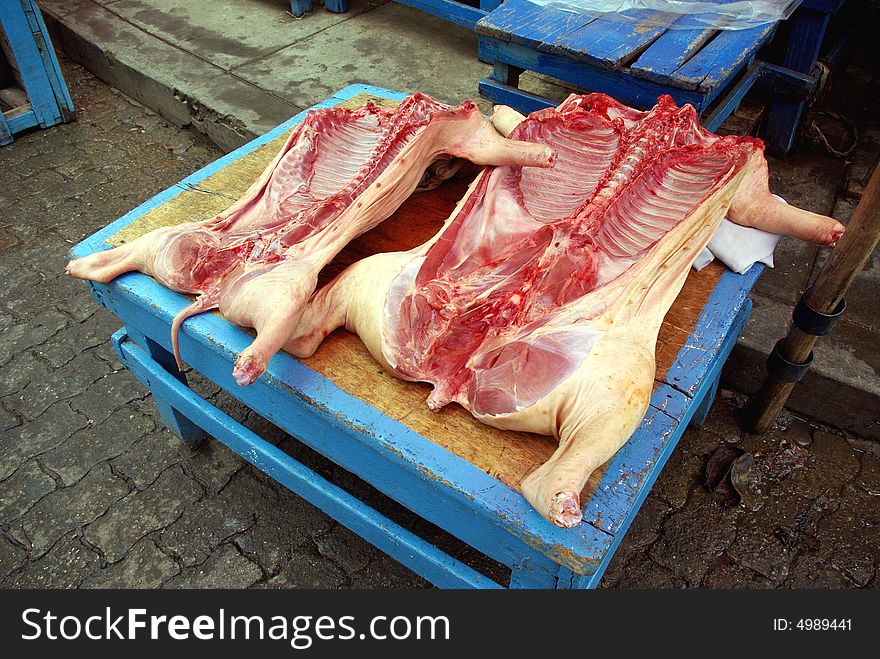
<point>527,24</point>
<point>13,97</point>
<point>668,53</point>
<point>721,58</point>
<point>610,44</point>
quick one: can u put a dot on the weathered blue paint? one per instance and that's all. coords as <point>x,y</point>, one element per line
<point>300,8</point>
<point>805,40</point>
<point>436,484</point>
<point>450,10</point>
<point>40,74</point>
<point>411,550</point>
<point>665,56</point>
<point>714,117</point>
<point>336,6</point>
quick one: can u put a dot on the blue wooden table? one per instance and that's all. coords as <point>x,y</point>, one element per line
<point>349,410</point>
<point>637,61</point>
<point>44,99</point>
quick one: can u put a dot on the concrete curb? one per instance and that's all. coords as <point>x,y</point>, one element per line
<point>186,90</point>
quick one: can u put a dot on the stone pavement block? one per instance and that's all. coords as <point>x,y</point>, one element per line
<point>229,35</point>
<point>727,574</point>
<point>8,420</point>
<point>38,436</point>
<point>11,557</point>
<point>683,473</point>
<point>62,567</point>
<point>150,456</point>
<point>24,335</point>
<point>368,50</point>
<point>836,460</point>
<point>225,569</point>
<point>848,536</point>
<point>384,572</point>
<point>76,456</point>
<point>644,573</point>
<point>141,512</point>
<point>676,550</point>
<point>869,475</point>
<point>809,571</point>
<point>79,337</point>
<point>21,491</point>
<point>108,394</point>
<point>645,529</point>
<point>211,521</point>
<point>346,549</point>
<point>143,567</point>
<point>68,509</point>
<point>21,369</point>
<point>305,571</point>
<point>213,465</point>
<point>59,384</point>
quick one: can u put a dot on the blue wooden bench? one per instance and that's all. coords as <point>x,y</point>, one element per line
<point>637,61</point>
<point>444,466</point>
<point>36,89</point>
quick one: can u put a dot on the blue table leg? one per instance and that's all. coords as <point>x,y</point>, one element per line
<point>336,6</point>
<point>807,32</point>
<point>300,7</point>
<point>180,425</point>
<point>705,405</point>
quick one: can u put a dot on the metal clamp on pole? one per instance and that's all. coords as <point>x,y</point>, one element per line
<point>784,370</point>
<point>813,322</point>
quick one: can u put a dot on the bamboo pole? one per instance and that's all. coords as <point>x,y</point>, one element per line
<point>845,261</point>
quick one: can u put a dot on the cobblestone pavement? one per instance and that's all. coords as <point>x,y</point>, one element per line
<point>95,493</point>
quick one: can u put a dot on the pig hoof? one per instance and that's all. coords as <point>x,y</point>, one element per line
<point>247,369</point>
<point>565,510</point>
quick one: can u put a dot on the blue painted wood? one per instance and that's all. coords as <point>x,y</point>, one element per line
<point>696,359</point>
<point>721,59</point>
<point>527,24</point>
<point>666,55</point>
<point>534,574</point>
<point>336,6</point>
<point>501,94</point>
<point>619,84</point>
<point>723,108</point>
<point>805,40</point>
<point>50,61</point>
<point>300,8</point>
<point>455,12</point>
<point>441,487</point>
<point>38,67</point>
<point>609,44</point>
<point>490,5</point>
<point>5,133</point>
<point>408,548</point>
<point>188,431</point>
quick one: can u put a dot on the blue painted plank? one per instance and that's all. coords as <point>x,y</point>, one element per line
<point>456,12</point>
<point>403,545</point>
<point>22,121</point>
<point>606,43</point>
<point>50,61</point>
<point>695,359</point>
<point>524,23</point>
<point>30,65</point>
<point>722,58</point>
<point>640,93</point>
<point>522,101</point>
<point>713,119</point>
<point>668,53</point>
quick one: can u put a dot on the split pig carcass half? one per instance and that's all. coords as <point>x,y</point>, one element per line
<point>537,306</point>
<point>340,173</point>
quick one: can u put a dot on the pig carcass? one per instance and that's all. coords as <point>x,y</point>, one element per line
<point>537,306</point>
<point>341,172</point>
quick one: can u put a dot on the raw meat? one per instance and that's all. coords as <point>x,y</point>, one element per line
<point>339,174</point>
<point>537,306</point>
